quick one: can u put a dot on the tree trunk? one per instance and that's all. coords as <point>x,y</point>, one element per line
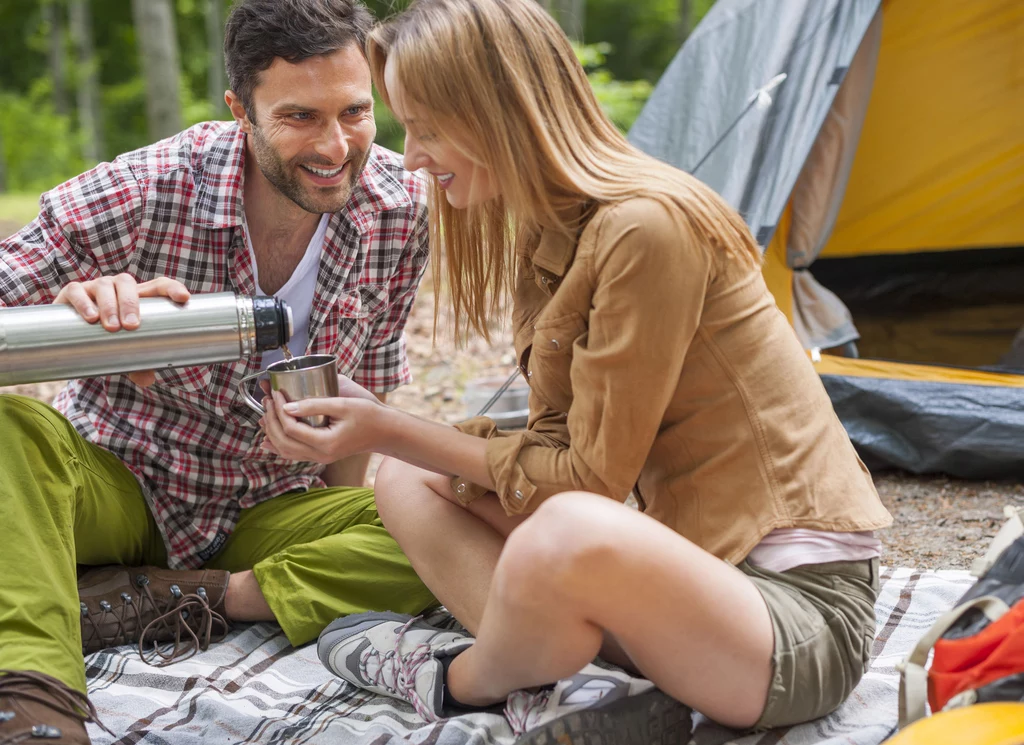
<point>88,87</point>
<point>571,15</point>
<point>685,19</point>
<point>161,67</point>
<point>215,84</point>
<point>54,19</point>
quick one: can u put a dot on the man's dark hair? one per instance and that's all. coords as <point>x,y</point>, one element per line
<point>257,31</point>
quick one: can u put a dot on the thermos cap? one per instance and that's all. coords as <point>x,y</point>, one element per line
<point>273,320</point>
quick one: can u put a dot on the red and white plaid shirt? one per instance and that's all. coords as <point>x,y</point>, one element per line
<point>174,209</point>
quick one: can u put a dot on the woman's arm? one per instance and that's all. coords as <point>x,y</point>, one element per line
<point>361,424</point>
<point>651,276</point>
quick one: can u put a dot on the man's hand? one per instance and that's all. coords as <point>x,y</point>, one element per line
<point>114,302</point>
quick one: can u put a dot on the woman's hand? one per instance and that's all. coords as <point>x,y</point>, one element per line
<point>360,423</point>
<point>354,425</point>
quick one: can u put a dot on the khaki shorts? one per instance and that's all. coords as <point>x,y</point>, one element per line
<point>823,616</point>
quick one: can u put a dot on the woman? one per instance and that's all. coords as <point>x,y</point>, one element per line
<point>658,364</point>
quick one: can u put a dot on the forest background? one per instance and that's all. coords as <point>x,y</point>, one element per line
<point>84,80</point>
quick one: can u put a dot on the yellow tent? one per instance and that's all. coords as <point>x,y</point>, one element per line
<point>876,149</point>
<point>927,244</point>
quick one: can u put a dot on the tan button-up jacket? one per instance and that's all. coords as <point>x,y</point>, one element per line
<point>663,367</point>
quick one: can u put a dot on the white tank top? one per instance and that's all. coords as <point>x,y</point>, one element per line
<point>297,292</point>
<point>792,547</point>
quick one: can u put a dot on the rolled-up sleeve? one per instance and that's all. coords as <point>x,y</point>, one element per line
<point>86,228</point>
<point>650,275</point>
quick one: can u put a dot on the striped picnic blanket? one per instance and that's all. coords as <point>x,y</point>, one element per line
<point>255,688</point>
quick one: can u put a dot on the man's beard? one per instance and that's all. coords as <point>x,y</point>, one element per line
<point>285,177</point>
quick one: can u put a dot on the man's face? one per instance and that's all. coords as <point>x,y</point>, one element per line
<point>311,127</point>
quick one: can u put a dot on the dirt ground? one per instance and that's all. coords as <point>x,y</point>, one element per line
<point>939,523</point>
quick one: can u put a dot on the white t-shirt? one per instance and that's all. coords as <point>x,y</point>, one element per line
<point>297,292</point>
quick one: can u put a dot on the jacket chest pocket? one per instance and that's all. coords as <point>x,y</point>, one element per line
<point>550,360</point>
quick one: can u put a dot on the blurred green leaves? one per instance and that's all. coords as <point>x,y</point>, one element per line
<point>621,100</point>
<point>41,147</point>
<point>631,43</point>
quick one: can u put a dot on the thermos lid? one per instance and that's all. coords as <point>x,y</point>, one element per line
<point>273,321</point>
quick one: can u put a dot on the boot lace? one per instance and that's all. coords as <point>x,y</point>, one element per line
<point>187,621</point>
<point>48,691</point>
<point>188,611</point>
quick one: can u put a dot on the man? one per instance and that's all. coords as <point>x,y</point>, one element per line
<point>156,483</point>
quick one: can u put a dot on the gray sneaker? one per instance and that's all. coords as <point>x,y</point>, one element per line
<point>598,707</point>
<point>393,655</point>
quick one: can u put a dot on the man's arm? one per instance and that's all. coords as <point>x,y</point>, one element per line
<point>350,471</point>
<point>85,229</point>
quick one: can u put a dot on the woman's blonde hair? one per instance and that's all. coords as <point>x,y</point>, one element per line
<point>499,80</point>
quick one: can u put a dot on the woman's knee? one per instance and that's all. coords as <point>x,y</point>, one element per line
<point>566,539</point>
<point>403,492</point>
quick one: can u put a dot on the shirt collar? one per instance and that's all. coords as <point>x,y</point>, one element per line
<point>220,170</point>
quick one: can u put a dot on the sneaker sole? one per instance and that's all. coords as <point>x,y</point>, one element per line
<point>652,718</point>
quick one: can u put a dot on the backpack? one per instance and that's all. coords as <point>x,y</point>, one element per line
<point>979,645</point>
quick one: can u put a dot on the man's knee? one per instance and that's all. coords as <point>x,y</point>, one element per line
<point>32,425</point>
<point>22,413</point>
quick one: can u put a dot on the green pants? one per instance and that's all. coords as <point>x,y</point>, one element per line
<point>317,555</point>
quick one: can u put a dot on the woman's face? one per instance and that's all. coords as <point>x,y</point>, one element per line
<point>465,182</point>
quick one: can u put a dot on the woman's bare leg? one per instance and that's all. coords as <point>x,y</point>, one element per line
<point>454,549</point>
<point>583,565</point>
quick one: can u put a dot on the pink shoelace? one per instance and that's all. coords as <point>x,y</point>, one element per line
<point>521,705</point>
<point>396,672</point>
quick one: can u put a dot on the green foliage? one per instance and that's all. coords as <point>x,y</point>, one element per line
<point>41,148</point>
<point>636,40</point>
<point>621,100</point>
<point>18,209</point>
<point>390,133</point>
<point>645,35</point>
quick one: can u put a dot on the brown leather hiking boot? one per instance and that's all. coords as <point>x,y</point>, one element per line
<point>35,707</point>
<point>169,614</point>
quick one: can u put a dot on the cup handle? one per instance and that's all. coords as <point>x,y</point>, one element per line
<point>251,402</point>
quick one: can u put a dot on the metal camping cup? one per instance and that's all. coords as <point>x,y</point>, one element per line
<point>309,376</point>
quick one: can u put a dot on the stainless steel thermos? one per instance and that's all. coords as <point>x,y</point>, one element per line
<point>53,342</point>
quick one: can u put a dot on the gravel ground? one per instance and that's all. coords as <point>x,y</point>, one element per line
<point>939,523</point>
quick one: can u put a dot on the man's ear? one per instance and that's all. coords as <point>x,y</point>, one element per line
<point>238,111</point>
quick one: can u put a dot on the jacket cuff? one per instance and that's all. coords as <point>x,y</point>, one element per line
<point>515,491</point>
<point>466,491</point>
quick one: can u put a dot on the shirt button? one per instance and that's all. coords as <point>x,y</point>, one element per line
<point>461,489</point>
<point>519,494</point>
